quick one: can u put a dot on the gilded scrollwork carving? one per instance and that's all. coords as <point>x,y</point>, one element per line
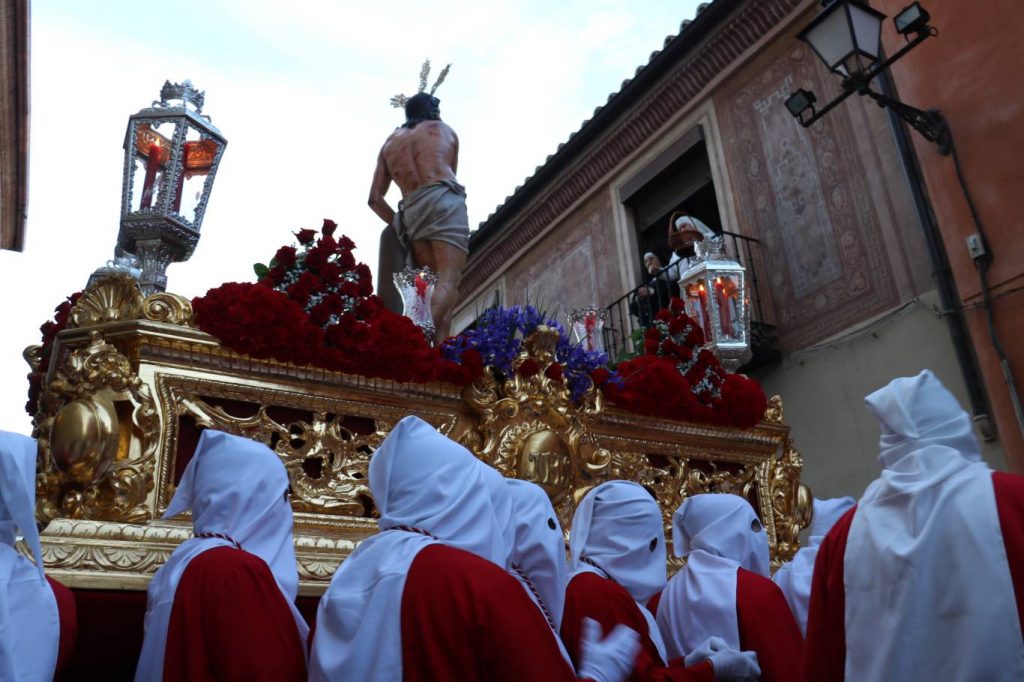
<point>98,434</point>
<point>113,298</point>
<point>327,463</point>
<point>119,297</point>
<point>168,308</point>
<point>774,415</point>
<point>528,426</point>
<point>33,355</point>
<point>791,502</point>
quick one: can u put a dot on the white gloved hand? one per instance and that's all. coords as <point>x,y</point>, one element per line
<point>610,659</point>
<point>705,650</point>
<point>735,666</point>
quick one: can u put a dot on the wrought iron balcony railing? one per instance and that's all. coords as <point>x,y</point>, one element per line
<point>637,307</point>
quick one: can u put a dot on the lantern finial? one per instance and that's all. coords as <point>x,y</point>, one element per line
<point>184,91</point>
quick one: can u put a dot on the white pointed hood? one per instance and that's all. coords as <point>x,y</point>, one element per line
<point>29,621</point>
<point>539,547</point>
<point>238,488</point>
<point>794,577</point>
<point>925,561</point>
<point>618,533</point>
<point>717,534</point>
<point>428,489</point>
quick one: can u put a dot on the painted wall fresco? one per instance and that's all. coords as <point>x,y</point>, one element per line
<point>804,194</point>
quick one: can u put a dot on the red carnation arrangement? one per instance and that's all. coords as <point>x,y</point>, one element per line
<point>314,305</point>
<point>676,378</point>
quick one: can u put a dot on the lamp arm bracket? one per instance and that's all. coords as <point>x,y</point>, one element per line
<point>930,123</point>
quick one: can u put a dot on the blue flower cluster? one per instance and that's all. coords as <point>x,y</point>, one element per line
<point>498,337</point>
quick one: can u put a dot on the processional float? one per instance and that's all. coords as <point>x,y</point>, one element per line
<point>123,389</point>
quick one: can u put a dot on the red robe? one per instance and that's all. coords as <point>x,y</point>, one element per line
<point>768,628</point>
<point>67,612</point>
<point>230,621</point>
<point>607,602</point>
<point>463,618</point>
<point>825,658</point>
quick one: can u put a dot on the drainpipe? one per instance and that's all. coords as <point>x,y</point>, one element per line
<point>949,299</point>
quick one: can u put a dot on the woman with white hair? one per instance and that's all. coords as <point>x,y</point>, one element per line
<point>723,591</point>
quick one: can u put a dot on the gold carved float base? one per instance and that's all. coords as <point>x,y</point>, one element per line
<point>131,383</point>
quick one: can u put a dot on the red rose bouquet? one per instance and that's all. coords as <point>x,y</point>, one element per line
<point>314,305</point>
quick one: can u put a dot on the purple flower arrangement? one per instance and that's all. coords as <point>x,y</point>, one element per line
<point>498,337</point>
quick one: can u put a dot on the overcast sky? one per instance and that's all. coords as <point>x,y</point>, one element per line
<point>301,92</point>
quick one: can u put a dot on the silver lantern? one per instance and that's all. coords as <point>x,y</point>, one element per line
<point>714,294</point>
<point>172,151</point>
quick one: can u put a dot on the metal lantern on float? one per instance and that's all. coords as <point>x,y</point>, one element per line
<point>172,151</point>
<point>714,294</point>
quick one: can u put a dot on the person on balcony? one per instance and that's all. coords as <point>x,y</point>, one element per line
<point>654,294</point>
<point>723,591</point>
<point>794,577</point>
<point>38,621</point>
<point>684,231</point>
<point>223,606</point>
<point>924,578</point>
<point>429,597</point>
<point>617,547</point>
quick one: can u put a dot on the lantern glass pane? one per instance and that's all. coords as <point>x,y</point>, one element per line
<point>153,147</point>
<point>696,303</point>
<point>139,166</point>
<point>197,161</point>
<point>867,30</point>
<point>729,299</point>
<point>831,36</point>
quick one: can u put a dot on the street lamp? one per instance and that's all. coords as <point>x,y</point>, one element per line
<point>846,36</point>
<point>172,151</point>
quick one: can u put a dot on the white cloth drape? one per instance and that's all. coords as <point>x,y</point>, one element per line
<point>419,479</point>
<point>236,487</point>
<point>928,589</point>
<point>29,621</point>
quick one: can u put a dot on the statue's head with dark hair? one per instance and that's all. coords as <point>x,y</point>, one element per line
<point>421,107</point>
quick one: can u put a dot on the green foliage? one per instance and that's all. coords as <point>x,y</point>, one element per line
<point>637,344</point>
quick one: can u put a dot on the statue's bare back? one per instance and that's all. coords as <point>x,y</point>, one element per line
<point>414,156</point>
<point>421,156</point>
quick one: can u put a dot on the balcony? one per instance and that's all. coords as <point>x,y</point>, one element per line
<point>633,311</point>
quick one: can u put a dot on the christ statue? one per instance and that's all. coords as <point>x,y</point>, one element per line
<point>430,225</point>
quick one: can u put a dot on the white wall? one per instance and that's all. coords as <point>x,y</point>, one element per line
<point>823,393</point>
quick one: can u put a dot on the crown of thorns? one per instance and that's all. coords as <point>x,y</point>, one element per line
<point>398,101</point>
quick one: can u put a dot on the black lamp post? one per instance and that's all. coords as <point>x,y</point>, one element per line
<point>846,36</point>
